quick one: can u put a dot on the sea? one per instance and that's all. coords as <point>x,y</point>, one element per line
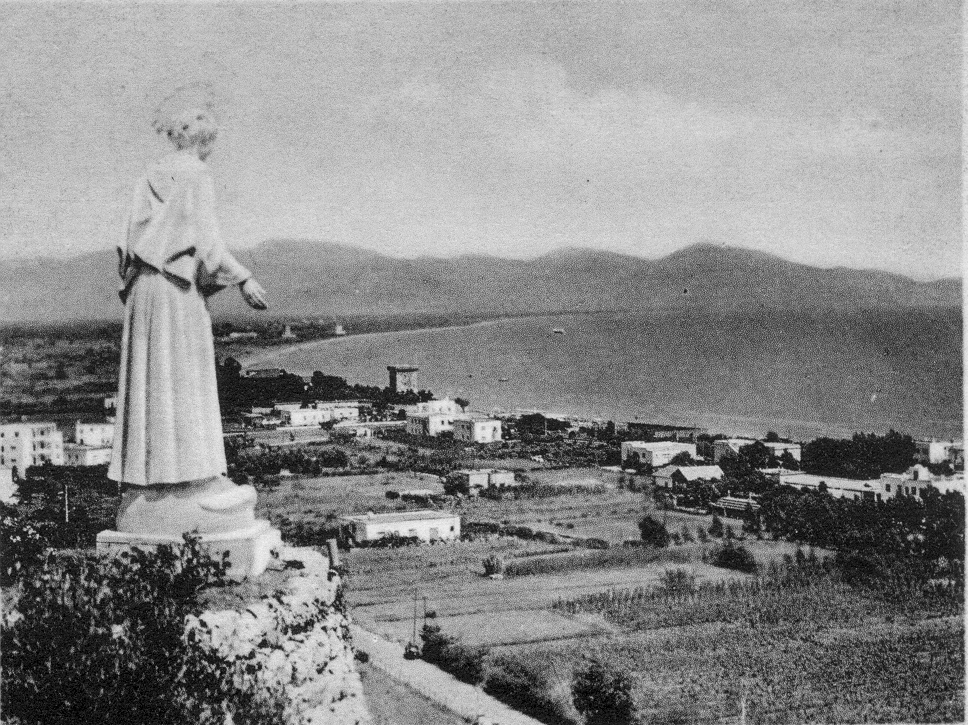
<point>801,374</point>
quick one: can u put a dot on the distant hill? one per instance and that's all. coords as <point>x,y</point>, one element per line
<point>320,278</point>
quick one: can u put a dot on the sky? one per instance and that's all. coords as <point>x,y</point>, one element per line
<point>828,133</point>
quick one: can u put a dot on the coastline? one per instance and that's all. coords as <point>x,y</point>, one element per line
<point>268,353</point>
<point>514,363</point>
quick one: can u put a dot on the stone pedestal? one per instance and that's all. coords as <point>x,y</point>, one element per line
<point>289,630</point>
<point>216,510</point>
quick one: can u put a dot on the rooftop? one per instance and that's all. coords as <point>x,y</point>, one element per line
<point>398,516</point>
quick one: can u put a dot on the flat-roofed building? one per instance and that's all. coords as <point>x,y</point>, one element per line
<point>655,453</point>
<point>915,480</point>
<point>96,435</point>
<point>473,429</point>
<point>340,409</point>
<point>77,455</point>
<point>664,432</point>
<point>729,447</point>
<point>679,476</point>
<point>357,429</point>
<point>8,489</point>
<point>30,444</point>
<point>471,481</point>
<point>305,417</point>
<point>732,447</point>
<point>426,525</point>
<point>444,406</point>
<point>872,490</point>
<point>931,450</point>
<point>430,424</point>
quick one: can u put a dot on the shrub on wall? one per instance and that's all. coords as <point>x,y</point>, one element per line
<point>92,639</point>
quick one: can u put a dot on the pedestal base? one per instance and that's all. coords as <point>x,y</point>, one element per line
<point>250,549</point>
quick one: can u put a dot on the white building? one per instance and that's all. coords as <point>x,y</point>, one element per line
<point>656,453</point>
<point>729,447</point>
<point>97,435</point>
<point>77,455</point>
<point>8,489</point>
<point>673,476</point>
<point>471,481</point>
<point>430,424</point>
<point>935,451</point>
<point>30,444</point>
<point>916,479</point>
<point>732,446</point>
<point>340,409</point>
<point>874,489</point>
<point>356,429</point>
<point>304,417</point>
<point>445,406</point>
<point>425,525</point>
<point>477,430</point>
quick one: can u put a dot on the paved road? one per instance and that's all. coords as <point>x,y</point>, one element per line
<point>444,689</point>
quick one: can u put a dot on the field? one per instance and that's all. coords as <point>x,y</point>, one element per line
<point>797,647</point>
<point>315,499</point>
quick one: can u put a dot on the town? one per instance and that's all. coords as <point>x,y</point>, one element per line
<point>498,543</point>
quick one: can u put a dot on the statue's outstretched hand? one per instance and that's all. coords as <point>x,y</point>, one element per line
<point>253,294</point>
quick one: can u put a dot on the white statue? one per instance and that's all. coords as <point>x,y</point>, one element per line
<point>168,448</point>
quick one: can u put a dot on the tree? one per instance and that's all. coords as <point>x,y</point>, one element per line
<point>757,455</point>
<point>653,532</point>
<point>772,437</point>
<point>462,402</point>
<point>682,459</point>
<point>604,695</point>
<point>716,527</point>
<point>789,462</point>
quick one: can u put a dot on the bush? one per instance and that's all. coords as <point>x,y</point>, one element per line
<point>734,556</point>
<point>604,695</point>
<point>687,536</point>
<point>701,535</point>
<point>716,527</point>
<point>103,640</point>
<point>493,564</point>
<point>678,581</point>
<point>23,545</point>
<point>653,532</point>
<point>463,662</point>
<point>527,681</point>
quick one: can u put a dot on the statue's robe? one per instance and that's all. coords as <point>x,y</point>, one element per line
<point>169,427</point>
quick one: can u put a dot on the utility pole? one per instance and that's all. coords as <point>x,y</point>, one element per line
<point>414,616</point>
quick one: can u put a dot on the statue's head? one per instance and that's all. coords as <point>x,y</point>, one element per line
<point>195,129</point>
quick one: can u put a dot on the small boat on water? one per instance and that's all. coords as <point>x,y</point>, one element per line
<point>503,380</point>
<point>558,330</point>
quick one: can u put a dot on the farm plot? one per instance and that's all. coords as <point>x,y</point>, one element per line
<point>511,627</point>
<point>313,499</point>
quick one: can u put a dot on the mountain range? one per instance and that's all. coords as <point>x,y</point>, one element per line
<point>311,278</point>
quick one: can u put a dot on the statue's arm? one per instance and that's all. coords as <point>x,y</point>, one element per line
<point>222,266</point>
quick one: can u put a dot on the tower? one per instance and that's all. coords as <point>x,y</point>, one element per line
<point>402,378</point>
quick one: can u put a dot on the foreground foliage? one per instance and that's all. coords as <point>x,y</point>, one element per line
<point>103,640</point>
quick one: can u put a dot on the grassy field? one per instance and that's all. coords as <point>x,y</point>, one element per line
<point>312,499</point>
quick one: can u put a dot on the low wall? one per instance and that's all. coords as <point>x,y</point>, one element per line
<point>291,629</point>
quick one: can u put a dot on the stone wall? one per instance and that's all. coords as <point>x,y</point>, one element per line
<point>291,631</point>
